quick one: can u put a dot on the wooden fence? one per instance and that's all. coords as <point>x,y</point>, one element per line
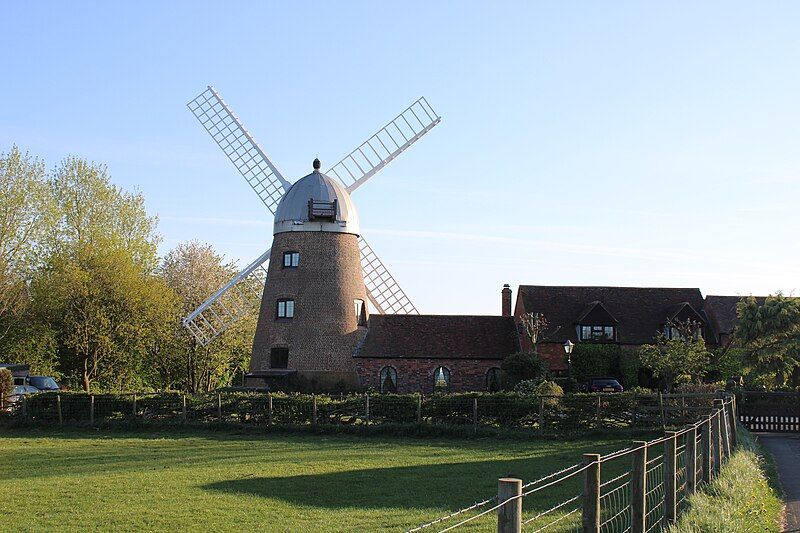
<point>777,412</point>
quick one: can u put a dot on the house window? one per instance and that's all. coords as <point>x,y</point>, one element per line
<point>493,380</point>
<point>361,312</point>
<point>441,379</point>
<point>279,358</point>
<point>388,379</point>
<point>291,259</point>
<point>285,308</point>
<point>597,333</point>
<point>674,333</point>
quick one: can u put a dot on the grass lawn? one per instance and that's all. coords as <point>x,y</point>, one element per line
<point>214,481</point>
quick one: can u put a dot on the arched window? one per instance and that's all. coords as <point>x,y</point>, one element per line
<point>441,379</point>
<point>493,383</point>
<point>388,379</point>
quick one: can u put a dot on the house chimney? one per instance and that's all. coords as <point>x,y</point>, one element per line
<point>506,300</point>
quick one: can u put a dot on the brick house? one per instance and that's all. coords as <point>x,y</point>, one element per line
<point>627,316</point>
<point>420,353</point>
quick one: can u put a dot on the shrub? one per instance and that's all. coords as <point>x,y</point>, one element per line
<point>550,388</point>
<point>520,367</point>
<point>595,360</point>
<point>699,388</point>
<point>527,387</point>
<point>6,383</point>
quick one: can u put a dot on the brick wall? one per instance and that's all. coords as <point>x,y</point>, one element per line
<point>416,375</point>
<point>324,332</point>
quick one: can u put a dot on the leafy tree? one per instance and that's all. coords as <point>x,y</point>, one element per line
<point>522,366</point>
<point>194,271</point>
<point>98,289</point>
<point>684,354</point>
<point>770,335</point>
<point>24,217</point>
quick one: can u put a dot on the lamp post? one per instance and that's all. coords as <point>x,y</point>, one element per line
<point>568,345</point>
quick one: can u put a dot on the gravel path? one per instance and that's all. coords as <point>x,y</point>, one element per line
<point>785,448</point>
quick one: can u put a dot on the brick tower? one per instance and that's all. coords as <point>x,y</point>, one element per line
<point>313,310</point>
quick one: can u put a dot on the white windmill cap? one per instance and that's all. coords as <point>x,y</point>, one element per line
<point>316,202</point>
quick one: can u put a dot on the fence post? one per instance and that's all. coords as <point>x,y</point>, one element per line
<point>723,420</point>
<point>24,407</point>
<point>591,493</point>
<point>509,516</point>
<point>597,414</point>
<point>134,407</point>
<point>705,448</point>
<point>716,437</point>
<point>314,409</point>
<point>734,433</point>
<point>366,395</point>
<point>639,487</point>
<point>60,414</point>
<point>419,409</point>
<point>219,407</point>
<point>661,408</point>
<point>183,409</point>
<point>691,459</point>
<point>91,409</point>
<point>269,407</point>
<point>670,472</point>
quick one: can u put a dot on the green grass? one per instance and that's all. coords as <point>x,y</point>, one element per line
<point>214,481</point>
<point>741,499</point>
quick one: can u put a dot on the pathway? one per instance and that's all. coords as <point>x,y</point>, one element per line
<point>785,448</point>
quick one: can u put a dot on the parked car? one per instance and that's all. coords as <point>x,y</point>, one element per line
<point>43,383</point>
<point>20,391</point>
<point>602,385</point>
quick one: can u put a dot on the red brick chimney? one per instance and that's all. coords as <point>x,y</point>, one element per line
<point>506,300</point>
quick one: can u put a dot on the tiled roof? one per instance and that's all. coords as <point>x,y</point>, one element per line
<point>440,336</point>
<point>640,312</point>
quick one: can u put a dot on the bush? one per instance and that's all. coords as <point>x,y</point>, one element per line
<point>591,360</point>
<point>520,367</point>
<point>739,499</point>
<point>6,383</point>
<point>699,388</point>
<point>527,387</point>
<point>550,388</point>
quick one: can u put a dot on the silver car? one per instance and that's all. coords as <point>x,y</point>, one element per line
<point>20,391</point>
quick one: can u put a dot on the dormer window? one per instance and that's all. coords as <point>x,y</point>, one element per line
<point>597,333</point>
<point>674,333</point>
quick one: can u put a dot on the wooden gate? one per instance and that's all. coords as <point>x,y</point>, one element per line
<point>777,412</point>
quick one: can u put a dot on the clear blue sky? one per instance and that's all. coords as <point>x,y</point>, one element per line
<point>616,143</point>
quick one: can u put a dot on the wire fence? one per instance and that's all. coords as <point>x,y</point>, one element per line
<point>539,414</point>
<point>639,489</point>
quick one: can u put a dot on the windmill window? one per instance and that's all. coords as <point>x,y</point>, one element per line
<point>441,379</point>
<point>279,358</point>
<point>291,259</point>
<point>597,333</point>
<point>285,308</point>
<point>388,379</point>
<point>493,380</point>
<point>361,312</point>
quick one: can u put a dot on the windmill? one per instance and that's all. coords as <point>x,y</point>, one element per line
<point>241,294</point>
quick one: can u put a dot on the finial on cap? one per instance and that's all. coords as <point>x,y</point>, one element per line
<point>316,164</point>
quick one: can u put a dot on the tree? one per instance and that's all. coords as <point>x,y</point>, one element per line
<point>24,217</point>
<point>194,271</point>
<point>97,289</point>
<point>684,353</point>
<point>522,366</point>
<point>535,325</point>
<point>770,335</point>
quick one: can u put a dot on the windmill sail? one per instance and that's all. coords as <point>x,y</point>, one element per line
<point>241,148</point>
<point>235,299</point>
<point>390,141</point>
<point>384,291</point>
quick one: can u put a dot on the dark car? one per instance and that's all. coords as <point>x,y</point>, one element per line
<point>43,383</point>
<point>602,385</point>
